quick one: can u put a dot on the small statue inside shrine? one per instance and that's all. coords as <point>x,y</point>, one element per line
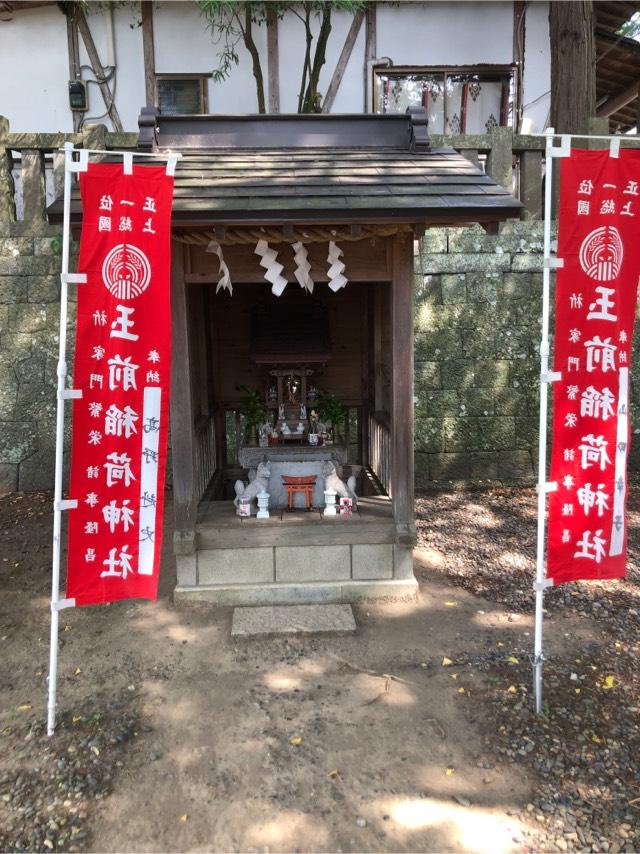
<point>293,387</point>
<point>332,481</point>
<point>250,491</point>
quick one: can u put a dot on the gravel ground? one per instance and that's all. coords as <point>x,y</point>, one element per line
<point>585,748</point>
<point>50,787</point>
<point>116,733</point>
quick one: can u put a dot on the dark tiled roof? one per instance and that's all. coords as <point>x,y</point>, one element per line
<point>335,185</point>
<point>230,174</point>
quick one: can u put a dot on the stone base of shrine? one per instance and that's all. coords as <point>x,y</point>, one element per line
<point>296,558</point>
<point>321,592</point>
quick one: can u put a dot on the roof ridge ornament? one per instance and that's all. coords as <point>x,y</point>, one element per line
<point>148,128</point>
<point>419,140</point>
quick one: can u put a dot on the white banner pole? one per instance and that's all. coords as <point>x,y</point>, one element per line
<point>57,498</point>
<point>63,393</point>
<point>538,655</point>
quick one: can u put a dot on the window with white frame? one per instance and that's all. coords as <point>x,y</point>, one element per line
<point>181,94</point>
<point>456,100</point>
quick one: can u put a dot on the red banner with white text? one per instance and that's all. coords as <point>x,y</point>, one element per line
<point>596,291</point>
<point>122,364</point>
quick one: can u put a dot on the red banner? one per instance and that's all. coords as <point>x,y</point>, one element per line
<point>596,293</point>
<point>122,365</point>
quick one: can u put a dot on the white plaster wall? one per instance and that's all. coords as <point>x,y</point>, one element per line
<point>536,83</point>
<point>291,45</point>
<point>445,33</point>
<point>34,70</point>
<point>184,45</point>
<point>33,82</point>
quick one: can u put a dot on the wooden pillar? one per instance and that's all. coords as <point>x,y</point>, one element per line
<point>273,60</point>
<point>33,190</point>
<point>531,183</point>
<point>7,188</point>
<point>148,52</point>
<point>370,51</point>
<point>182,439</point>
<point>500,159</point>
<point>402,402</point>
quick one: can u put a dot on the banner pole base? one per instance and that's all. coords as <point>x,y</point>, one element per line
<point>537,682</point>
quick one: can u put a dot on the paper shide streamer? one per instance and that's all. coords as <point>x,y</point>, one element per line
<point>224,282</point>
<point>303,267</point>
<point>273,269</point>
<point>336,268</point>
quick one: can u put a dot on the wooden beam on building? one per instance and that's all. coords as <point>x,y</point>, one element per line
<point>366,261</point>
<point>402,478</point>
<point>519,30</point>
<point>148,52</point>
<point>182,421</point>
<point>273,60</point>
<point>370,48</point>
<point>343,61</point>
<point>98,70</point>
<point>617,102</point>
<point>74,64</point>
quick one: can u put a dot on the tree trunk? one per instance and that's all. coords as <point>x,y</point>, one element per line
<point>311,99</point>
<point>255,59</point>
<point>573,65</point>
<point>307,57</point>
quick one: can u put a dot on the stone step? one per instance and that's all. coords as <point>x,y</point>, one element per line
<point>292,619</point>
<point>259,533</point>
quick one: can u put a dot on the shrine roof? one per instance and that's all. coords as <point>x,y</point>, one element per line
<point>310,169</point>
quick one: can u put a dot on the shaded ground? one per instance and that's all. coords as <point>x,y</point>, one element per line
<point>413,735</point>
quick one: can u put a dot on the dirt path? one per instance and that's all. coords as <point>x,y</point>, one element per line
<point>197,734</point>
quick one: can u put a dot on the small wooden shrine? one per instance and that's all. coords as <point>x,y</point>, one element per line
<point>292,305</point>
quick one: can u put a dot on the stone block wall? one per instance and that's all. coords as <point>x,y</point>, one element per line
<point>477,324</point>
<point>478,307</point>
<point>29,322</point>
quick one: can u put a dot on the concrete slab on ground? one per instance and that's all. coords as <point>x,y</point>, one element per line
<point>292,619</point>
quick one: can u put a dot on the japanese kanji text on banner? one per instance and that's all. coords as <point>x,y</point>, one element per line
<point>122,366</point>
<point>596,291</point>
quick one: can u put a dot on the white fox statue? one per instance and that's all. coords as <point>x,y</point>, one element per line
<point>251,490</point>
<point>332,481</point>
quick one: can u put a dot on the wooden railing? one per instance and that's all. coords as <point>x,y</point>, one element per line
<point>380,448</point>
<point>205,455</point>
<point>32,167</point>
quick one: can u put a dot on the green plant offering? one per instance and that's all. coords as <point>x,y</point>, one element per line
<point>252,408</point>
<point>331,410</point>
